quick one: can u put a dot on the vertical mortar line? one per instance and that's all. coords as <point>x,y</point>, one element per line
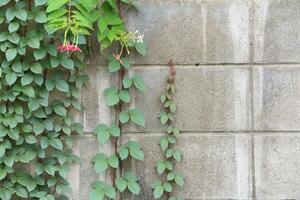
<point>251,82</point>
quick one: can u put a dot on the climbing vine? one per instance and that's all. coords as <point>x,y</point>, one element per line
<point>169,177</point>
<point>42,47</point>
<point>77,18</point>
<point>112,29</point>
<point>39,92</point>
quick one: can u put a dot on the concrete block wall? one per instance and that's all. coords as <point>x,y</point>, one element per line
<point>238,79</point>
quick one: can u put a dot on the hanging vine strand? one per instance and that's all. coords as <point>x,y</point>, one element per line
<point>116,97</point>
<point>166,167</point>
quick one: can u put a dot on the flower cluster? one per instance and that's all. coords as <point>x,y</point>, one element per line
<point>138,36</point>
<point>69,47</point>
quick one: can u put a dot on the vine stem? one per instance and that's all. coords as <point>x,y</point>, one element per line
<point>119,107</point>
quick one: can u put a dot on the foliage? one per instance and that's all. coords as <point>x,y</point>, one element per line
<point>165,168</point>
<point>77,18</point>
<point>111,29</point>
<point>35,130</point>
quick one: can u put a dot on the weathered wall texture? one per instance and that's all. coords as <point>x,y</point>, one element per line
<point>238,98</point>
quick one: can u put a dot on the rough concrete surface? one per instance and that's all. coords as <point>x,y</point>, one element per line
<point>238,109</point>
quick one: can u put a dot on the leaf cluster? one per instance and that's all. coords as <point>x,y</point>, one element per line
<point>165,168</point>
<point>36,126</point>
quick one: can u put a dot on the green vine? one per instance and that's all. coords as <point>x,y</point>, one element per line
<point>39,91</point>
<point>116,96</point>
<point>76,18</point>
<point>170,178</point>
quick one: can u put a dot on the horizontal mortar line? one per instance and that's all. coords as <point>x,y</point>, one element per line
<point>216,199</point>
<point>216,133</point>
<point>220,64</point>
<point>233,132</point>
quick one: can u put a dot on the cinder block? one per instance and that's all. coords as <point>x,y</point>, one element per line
<point>276,28</point>
<point>276,98</point>
<point>195,31</point>
<point>216,166</point>
<point>277,161</point>
<point>214,98</point>
<point>83,173</point>
<point>92,97</point>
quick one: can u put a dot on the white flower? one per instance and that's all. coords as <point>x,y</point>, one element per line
<point>140,38</point>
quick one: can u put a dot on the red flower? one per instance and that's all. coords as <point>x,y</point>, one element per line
<point>68,47</point>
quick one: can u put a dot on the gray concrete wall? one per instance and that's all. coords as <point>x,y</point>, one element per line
<point>238,78</point>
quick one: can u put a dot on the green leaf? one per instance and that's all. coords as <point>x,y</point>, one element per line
<point>123,152</point>
<point>26,79</point>
<point>62,85</point>
<point>102,24</point>
<point>33,42</point>
<point>141,48</point>
<point>134,188</point>
<point>10,78</point>
<point>40,2</point>
<point>54,62</point>
<point>14,38</point>
<point>17,67</point>
<point>3,36</point>
<point>2,150</point>
<point>21,14</point>
<point>60,110</point>
<point>44,142</point>
<point>137,117</point>
<point>30,139</point>
<point>135,151</point>
<point>21,192</point>
<point>10,14</point>
<point>13,26</point>
<point>158,192</point>
<point>164,143</point>
<point>36,68</point>
<point>161,167</point>
<point>9,161</point>
<point>115,130</point>
<point>127,82</point>
<point>164,118</point>
<point>33,105</point>
<point>11,54</point>
<point>121,184</point>
<point>114,65</point>
<point>2,174</point>
<point>179,180</point>
<point>110,192</point>
<point>177,155</point>
<point>112,97</point>
<point>172,107</point>
<point>168,187</point>
<point>67,63</point>
<point>124,96</point>
<point>13,134</point>
<point>102,132</point>
<point>39,53</point>
<point>96,195</point>
<point>40,17</point>
<point>170,176</point>
<point>101,165</point>
<point>125,63</point>
<point>113,161</point>
<point>139,83</point>
<point>124,117</point>
<point>56,143</point>
<point>38,128</point>
<point>54,5</point>
<point>49,85</point>
<point>4,2</point>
